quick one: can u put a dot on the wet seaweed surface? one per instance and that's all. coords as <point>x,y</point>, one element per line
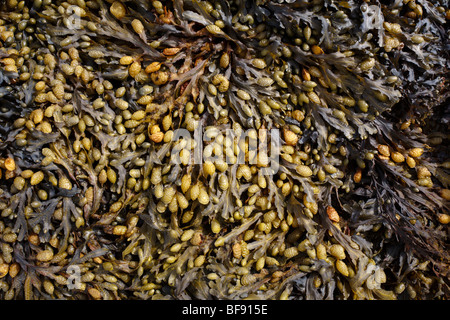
<point>100,196</point>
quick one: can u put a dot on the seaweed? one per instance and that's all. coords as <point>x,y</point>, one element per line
<point>127,149</point>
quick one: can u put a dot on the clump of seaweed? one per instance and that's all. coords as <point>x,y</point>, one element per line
<point>128,168</point>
